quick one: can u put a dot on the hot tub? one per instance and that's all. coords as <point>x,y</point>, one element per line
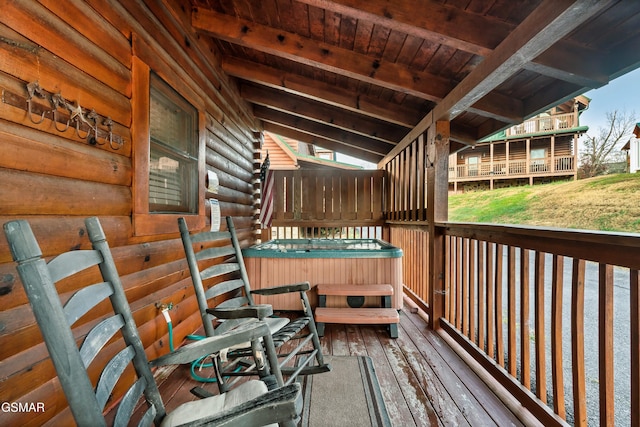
<point>348,261</point>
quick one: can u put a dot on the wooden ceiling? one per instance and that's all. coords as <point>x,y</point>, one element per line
<point>366,77</point>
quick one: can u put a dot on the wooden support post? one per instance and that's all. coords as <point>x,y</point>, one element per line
<point>492,169</point>
<point>552,167</point>
<point>507,160</point>
<point>437,210</point>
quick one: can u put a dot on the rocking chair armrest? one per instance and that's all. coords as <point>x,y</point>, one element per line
<point>186,354</point>
<point>258,311</point>
<point>283,289</point>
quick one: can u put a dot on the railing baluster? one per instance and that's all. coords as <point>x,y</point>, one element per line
<point>472,290</point>
<point>556,335</point>
<point>511,312</point>
<point>447,280</point>
<point>577,343</point>
<point>490,300</point>
<point>525,352</point>
<point>605,343</point>
<point>634,329</point>
<point>541,371</point>
<point>459,283</point>
<point>498,312</point>
<point>481,293</point>
<point>465,286</point>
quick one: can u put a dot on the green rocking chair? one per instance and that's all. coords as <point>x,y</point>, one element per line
<point>249,404</point>
<point>229,276</point>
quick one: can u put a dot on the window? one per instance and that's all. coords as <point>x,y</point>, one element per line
<point>472,165</point>
<point>538,160</point>
<point>538,153</point>
<point>173,151</point>
<point>167,149</point>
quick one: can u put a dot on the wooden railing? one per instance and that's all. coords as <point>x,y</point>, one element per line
<point>546,312</point>
<point>545,124</point>
<point>328,198</point>
<point>512,168</point>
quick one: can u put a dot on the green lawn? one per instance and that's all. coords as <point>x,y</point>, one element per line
<point>609,203</point>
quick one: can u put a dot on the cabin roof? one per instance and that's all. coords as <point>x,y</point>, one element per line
<point>364,78</point>
<point>288,154</point>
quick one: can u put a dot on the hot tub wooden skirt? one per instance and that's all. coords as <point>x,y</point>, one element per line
<point>267,272</point>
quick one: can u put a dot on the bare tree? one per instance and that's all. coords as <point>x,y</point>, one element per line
<point>605,148</point>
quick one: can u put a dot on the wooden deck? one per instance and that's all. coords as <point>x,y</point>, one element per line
<point>423,381</point>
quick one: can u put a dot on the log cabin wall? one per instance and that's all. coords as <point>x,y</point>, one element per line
<point>99,55</point>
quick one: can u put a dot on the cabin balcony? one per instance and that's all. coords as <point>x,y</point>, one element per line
<point>545,124</point>
<point>559,165</point>
<point>531,325</point>
<point>540,149</point>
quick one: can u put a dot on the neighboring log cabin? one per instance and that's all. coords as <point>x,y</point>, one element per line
<point>290,154</point>
<point>540,150</point>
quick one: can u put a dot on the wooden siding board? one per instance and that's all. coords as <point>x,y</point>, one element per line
<point>33,151</point>
<point>51,194</point>
<point>50,32</point>
<point>29,63</point>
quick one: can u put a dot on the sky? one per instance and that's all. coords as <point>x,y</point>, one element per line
<point>620,94</point>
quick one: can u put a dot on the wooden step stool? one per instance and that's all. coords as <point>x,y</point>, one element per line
<point>360,315</point>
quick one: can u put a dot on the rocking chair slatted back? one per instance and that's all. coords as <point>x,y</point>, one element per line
<point>225,299</point>
<point>70,362</point>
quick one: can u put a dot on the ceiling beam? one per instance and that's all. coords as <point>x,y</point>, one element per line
<point>549,97</point>
<point>332,95</point>
<point>324,131</point>
<point>329,115</point>
<point>329,144</point>
<point>345,62</point>
<point>456,28</point>
<point>551,21</point>
<point>318,54</point>
<point>432,21</point>
<point>320,91</point>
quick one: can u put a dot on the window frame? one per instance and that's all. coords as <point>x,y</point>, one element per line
<point>544,153</point>
<point>473,168</point>
<point>145,222</point>
<point>187,160</point>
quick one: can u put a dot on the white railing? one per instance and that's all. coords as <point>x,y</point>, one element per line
<point>512,168</point>
<point>545,124</point>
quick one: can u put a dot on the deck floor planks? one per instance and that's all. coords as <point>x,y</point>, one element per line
<point>483,405</point>
<point>422,379</point>
<point>339,341</point>
<point>356,343</point>
<point>420,355</point>
<point>399,411</point>
<point>410,384</point>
